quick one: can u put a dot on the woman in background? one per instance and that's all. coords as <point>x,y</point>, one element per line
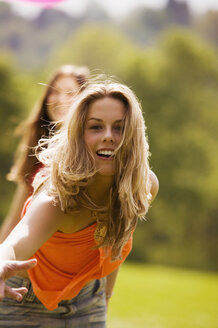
<point>64,85</point>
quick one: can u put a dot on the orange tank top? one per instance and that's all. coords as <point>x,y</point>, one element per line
<point>66,262</point>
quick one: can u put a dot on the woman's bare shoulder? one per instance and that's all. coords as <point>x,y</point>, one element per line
<point>154,184</point>
<point>44,203</point>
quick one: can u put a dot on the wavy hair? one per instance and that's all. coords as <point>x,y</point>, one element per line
<point>72,166</point>
<point>38,125</point>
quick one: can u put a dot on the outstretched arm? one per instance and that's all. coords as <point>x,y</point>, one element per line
<point>39,223</point>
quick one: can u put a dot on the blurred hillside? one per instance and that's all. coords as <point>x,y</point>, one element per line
<point>32,41</point>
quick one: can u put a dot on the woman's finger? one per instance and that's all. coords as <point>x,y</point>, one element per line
<point>15,293</point>
<point>11,268</point>
<point>2,289</point>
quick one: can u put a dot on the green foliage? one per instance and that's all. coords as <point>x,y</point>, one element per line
<point>12,105</point>
<point>177,85</point>
<point>160,297</point>
<point>99,47</point>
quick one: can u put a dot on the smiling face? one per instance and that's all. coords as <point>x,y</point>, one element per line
<point>103,132</point>
<point>59,99</point>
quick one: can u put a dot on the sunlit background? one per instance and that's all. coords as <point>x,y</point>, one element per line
<point>166,51</point>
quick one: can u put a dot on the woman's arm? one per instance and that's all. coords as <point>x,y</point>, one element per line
<point>154,185</point>
<point>38,224</point>
<point>13,217</point>
<point>111,279</point>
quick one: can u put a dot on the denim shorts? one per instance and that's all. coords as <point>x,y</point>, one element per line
<point>86,310</point>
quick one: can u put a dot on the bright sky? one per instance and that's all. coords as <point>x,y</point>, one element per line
<point>116,8</point>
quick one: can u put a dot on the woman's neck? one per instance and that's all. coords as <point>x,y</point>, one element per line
<point>99,189</point>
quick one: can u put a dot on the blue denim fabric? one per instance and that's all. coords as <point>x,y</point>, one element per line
<point>86,310</point>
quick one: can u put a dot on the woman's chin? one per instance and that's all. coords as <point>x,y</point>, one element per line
<point>106,172</point>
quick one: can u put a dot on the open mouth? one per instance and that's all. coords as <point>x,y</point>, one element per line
<point>105,153</point>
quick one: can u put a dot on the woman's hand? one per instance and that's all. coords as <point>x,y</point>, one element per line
<point>9,269</point>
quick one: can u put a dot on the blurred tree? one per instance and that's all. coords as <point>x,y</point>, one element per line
<point>144,25</point>
<point>10,104</point>
<point>178,12</point>
<point>179,97</point>
<point>17,92</point>
<point>97,46</point>
<point>207,26</point>
<point>95,13</point>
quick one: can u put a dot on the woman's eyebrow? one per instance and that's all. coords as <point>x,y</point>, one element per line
<point>98,119</point>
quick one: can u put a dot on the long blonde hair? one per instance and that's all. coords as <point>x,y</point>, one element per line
<point>72,166</point>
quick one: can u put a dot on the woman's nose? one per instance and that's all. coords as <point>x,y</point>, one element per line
<point>108,135</point>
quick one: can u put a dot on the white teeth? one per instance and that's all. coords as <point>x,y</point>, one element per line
<point>105,152</point>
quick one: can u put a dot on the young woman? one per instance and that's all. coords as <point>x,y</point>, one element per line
<point>78,225</point>
<point>65,83</point>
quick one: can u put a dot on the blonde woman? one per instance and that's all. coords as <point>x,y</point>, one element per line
<point>64,84</point>
<point>78,225</point>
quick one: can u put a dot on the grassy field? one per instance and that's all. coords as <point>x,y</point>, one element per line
<point>162,297</point>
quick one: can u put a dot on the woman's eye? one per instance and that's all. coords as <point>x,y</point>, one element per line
<point>118,128</point>
<point>95,127</point>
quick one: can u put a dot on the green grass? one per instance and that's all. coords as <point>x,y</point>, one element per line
<point>161,297</point>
